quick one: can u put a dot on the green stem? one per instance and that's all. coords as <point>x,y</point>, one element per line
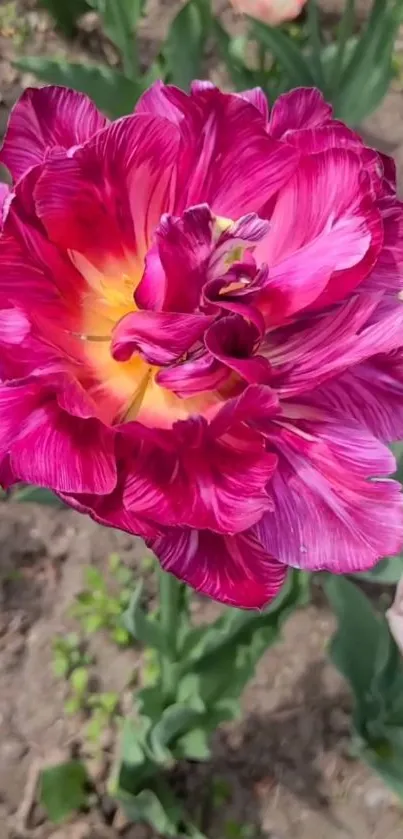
<point>170,596</point>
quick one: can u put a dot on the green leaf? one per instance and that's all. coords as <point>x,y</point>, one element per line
<point>79,680</point>
<point>141,628</point>
<point>161,811</point>
<point>113,92</point>
<point>342,48</point>
<point>354,645</point>
<point>184,46</point>
<point>232,646</point>
<point>194,745</point>
<point>133,734</point>
<point>387,572</point>
<point>119,18</point>
<point>121,636</point>
<point>36,495</point>
<point>63,790</point>
<point>288,54</point>
<point>241,76</point>
<point>315,44</point>
<point>176,720</point>
<point>94,579</point>
<point>66,13</point>
<point>368,73</point>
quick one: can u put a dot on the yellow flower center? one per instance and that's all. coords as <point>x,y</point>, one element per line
<point>127,388</point>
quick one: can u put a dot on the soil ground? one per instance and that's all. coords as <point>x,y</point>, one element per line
<point>286,763</point>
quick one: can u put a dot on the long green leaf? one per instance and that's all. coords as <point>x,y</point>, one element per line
<point>387,572</point>
<point>141,627</point>
<point>288,54</point>
<point>315,44</point>
<point>345,33</point>
<point>242,77</point>
<point>120,18</point>
<point>111,91</point>
<point>354,645</point>
<point>184,48</point>
<point>66,12</point>
<point>366,77</point>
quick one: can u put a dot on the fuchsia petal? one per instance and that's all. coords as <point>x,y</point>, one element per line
<point>370,393</point>
<point>107,199</point>
<point>201,373</point>
<point>204,476</point>
<point>160,337</point>
<point>16,403</point>
<point>338,230</point>
<point>256,405</point>
<point>235,570</point>
<point>34,274</point>
<point>228,159</point>
<point>14,326</point>
<point>64,453</point>
<point>5,198</point>
<point>334,508</point>
<point>156,102</point>
<point>332,343</point>
<point>232,341</point>
<point>388,270</point>
<point>258,98</point>
<point>47,119</point>
<point>177,266</point>
<point>300,108</point>
<point>218,484</point>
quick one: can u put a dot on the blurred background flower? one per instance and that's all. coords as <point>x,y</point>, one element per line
<point>272,12</point>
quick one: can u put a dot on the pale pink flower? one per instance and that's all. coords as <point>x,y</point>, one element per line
<point>272,12</point>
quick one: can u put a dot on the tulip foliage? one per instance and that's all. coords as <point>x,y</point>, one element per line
<point>353,66</point>
<point>201,674</point>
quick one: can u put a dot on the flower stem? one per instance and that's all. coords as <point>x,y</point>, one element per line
<point>170,601</point>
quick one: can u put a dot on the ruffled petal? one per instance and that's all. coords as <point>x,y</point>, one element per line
<point>201,480</point>
<point>334,507</point>
<point>107,199</point>
<point>5,199</point>
<point>44,120</point>
<point>16,403</point>
<point>232,341</point>
<point>317,350</point>
<point>64,453</point>
<point>35,275</point>
<point>199,374</point>
<point>235,570</point>
<point>160,337</point>
<point>300,108</point>
<point>342,221</point>
<point>370,393</point>
<point>176,268</point>
<point>228,160</point>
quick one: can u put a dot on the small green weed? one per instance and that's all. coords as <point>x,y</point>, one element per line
<point>13,26</point>
<point>97,607</point>
<point>69,655</point>
<point>235,830</point>
<point>104,711</point>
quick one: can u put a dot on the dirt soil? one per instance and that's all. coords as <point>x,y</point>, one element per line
<point>286,764</point>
